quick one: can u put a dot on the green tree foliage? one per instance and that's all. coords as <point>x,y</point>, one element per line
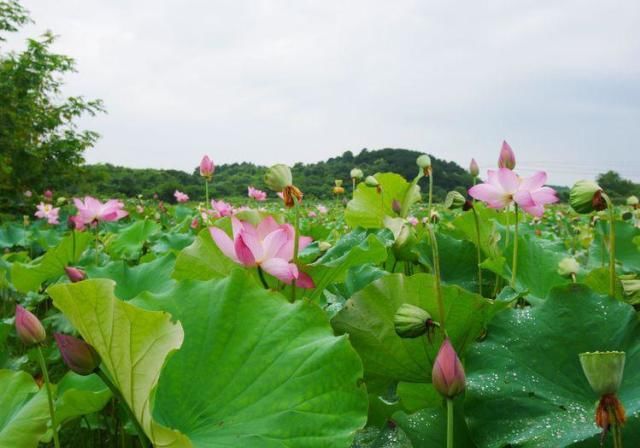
<point>40,144</point>
<point>616,187</point>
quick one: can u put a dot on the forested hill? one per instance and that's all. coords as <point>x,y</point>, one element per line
<point>314,179</point>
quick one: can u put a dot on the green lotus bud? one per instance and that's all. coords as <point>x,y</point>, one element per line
<point>371,181</point>
<point>411,321</point>
<point>603,370</point>
<point>633,201</point>
<point>568,266</point>
<point>424,161</point>
<point>631,287</point>
<point>278,177</point>
<point>338,182</point>
<point>356,173</point>
<point>454,200</point>
<point>324,246</point>
<point>586,196</point>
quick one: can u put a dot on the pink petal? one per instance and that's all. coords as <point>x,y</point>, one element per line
<point>243,251</point>
<point>486,193</point>
<point>224,243</point>
<point>535,210</point>
<point>305,281</point>
<point>253,243</point>
<point>524,199</point>
<point>273,243</point>
<point>492,178</point>
<point>304,241</point>
<point>281,269</point>
<point>544,195</point>
<point>267,226</point>
<point>534,182</point>
<point>236,226</point>
<point>508,180</point>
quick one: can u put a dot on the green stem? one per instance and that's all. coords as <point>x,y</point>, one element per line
<point>430,194</point>
<point>353,190</point>
<point>514,262</point>
<point>296,242</point>
<point>52,411</point>
<point>73,256</point>
<point>612,246</point>
<point>97,242</point>
<point>116,393</point>
<point>262,279</point>
<point>449,423</point>
<point>478,251</point>
<point>506,237</point>
<point>206,193</point>
<point>436,273</point>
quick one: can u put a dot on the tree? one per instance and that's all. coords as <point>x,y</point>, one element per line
<point>617,187</point>
<point>40,144</point>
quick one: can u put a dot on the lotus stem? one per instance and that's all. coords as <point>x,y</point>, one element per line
<point>262,279</point>
<point>430,194</point>
<point>514,268</point>
<point>436,273</point>
<point>206,193</point>
<point>449,423</point>
<point>296,242</point>
<point>52,411</point>
<point>478,251</point>
<point>612,245</point>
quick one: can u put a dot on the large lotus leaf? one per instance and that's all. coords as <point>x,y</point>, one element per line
<point>255,370</point>
<point>369,206</point>
<point>24,412</point>
<point>80,395</point>
<point>129,240</point>
<point>154,276</point>
<point>627,253</point>
<point>388,436</point>
<point>202,260</point>
<point>12,235</point>
<point>29,277</point>
<point>355,248</point>
<point>525,385</point>
<point>368,319</point>
<point>172,242</point>
<point>133,344</point>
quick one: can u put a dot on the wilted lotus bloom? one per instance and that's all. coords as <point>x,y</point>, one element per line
<point>222,208</point>
<point>48,212</point>
<point>356,174</point>
<point>180,196</point>
<point>75,274</point>
<point>322,209</point>
<point>586,196</point>
<point>269,245</point>
<point>29,328</point>
<point>256,194</point>
<point>507,158</point>
<point>338,190</point>
<point>474,169</point>
<point>91,210</point>
<point>28,193</point>
<point>207,167</point>
<point>454,200</point>
<point>79,356</point>
<point>447,375</point>
<point>279,179</point>
<point>504,187</point>
<point>48,195</point>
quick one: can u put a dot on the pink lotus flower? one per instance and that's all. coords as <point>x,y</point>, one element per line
<point>269,245</point>
<point>256,194</point>
<point>48,195</point>
<point>413,220</point>
<point>195,223</point>
<point>504,186</point>
<point>223,208</point>
<point>507,158</point>
<point>76,223</point>
<point>79,356</point>
<point>91,210</point>
<point>28,327</point>
<point>207,167</point>
<point>322,209</point>
<point>447,375</point>
<point>75,274</point>
<point>180,196</point>
<point>312,214</point>
<point>48,212</point>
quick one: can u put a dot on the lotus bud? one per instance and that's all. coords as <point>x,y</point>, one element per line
<point>411,321</point>
<point>371,181</point>
<point>79,356</point>
<point>424,163</point>
<point>454,200</point>
<point>356,173</point>
<point>633,201</point>
<point>396,206</point>
<point>603,370</point>
<point>207,167</point>
<point>278,177</point>
<point>338,182</point>
<point>630,287</point>
<point>29,328</point>
<point>48,195</point>
<point>568,267</point>
<point>324,246</point>
<point>586,196</point>
<point>474,169</point>
<point>507,158</point>
<point>61,201</point>
<point>75,274</point>
<point>447,375</point>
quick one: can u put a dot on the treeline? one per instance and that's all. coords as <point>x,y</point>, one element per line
<point>231,180</point>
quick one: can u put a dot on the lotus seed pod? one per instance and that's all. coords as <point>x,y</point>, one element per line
<point>586,196</point>
<point>411,321</point>
<point>568,266</point>
<point>278,177</point>
<point>371,181</point>
<point>356,173</point>
<point>338,182</point>
<point>454,200</point>
<point>424,161</point>
<point>603,370</point>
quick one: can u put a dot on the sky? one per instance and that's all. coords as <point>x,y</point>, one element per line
<point>272,81</point>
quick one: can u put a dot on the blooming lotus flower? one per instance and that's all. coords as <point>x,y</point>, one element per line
<point>180,196</point>
<point>269,245</point>
<point>91,210</point>
<point>79,356</point>
<point>507,158</point>
<point>413,220</point>
<point>48,212</point>
<point>504,186</point>
<point>447,375</point>
<point>223,208</point>
<point>256,194</point>
<point>207,167</point>
<point>322,209</point>
<point>29,328</point>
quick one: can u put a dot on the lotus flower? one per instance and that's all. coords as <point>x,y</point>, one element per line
<point>76,223</point>
<point>92,210</point>
<point>447,375</point>
<point>256,194</point>
<point>79,356</point>
<point>180,196</point>
<point>207,167</point>
<point>223,208</point>
<point>504,186</point>
<point>269,245</point>
<point>29,328</point>
<point>507,158</point>
<point>48,212</point>
<point>75,274</point>
<point>322,209</point>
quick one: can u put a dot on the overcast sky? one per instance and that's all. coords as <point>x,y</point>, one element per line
<point>284,81</point>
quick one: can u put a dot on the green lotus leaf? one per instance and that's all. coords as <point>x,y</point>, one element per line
<point>129,240</point>
<point>627,253</point>
<point>202,260</point>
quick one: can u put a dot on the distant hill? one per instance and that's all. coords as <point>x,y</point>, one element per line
<point>314,179</point>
